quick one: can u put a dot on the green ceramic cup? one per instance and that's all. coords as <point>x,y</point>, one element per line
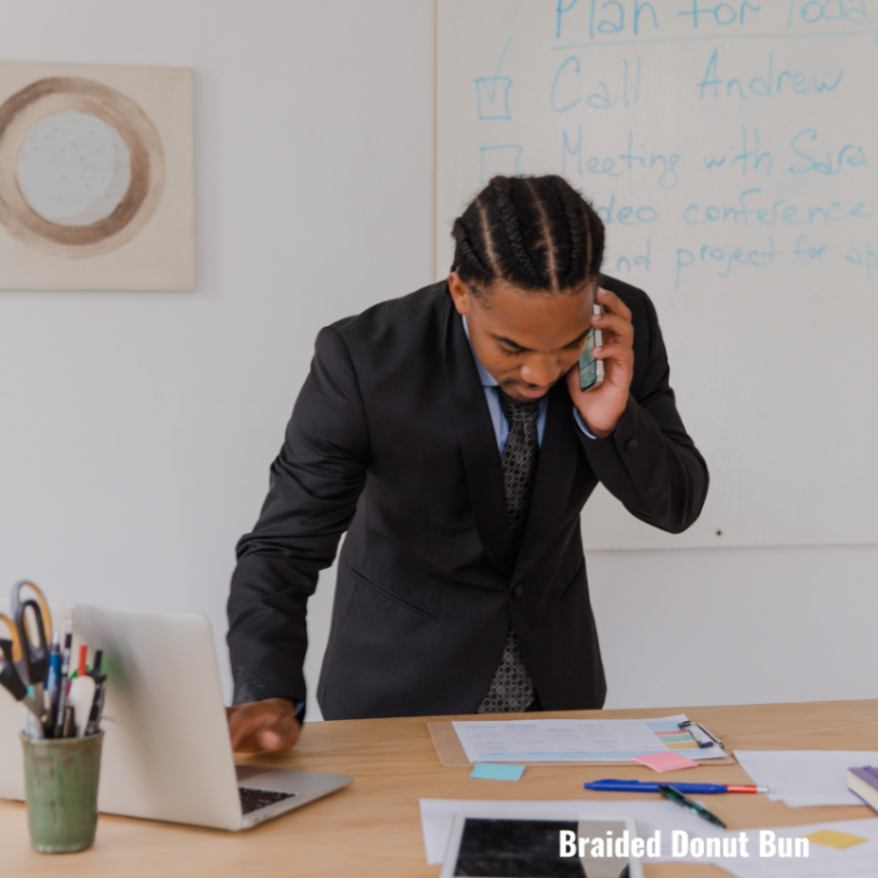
<point>61,786</point>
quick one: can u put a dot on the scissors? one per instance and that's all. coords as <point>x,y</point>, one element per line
<point>12,641</point>
<point>24,591</point>
<point>9,676</point>
<point>33,621</point>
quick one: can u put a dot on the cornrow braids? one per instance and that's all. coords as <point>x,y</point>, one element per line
<point>548,240</point>
<point>580,241</point>
<point>536,233</point>
<point>513,221</point>
<point>467,252</point>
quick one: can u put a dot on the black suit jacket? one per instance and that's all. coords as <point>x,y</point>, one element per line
<point>391,440</point>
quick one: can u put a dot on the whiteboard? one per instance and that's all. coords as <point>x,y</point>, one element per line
<point>731,150</point>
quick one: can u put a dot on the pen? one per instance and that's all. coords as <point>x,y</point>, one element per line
<point>690,804</point>
<point>610,785</point>
<point>52,684</point>
<point>61,698</point>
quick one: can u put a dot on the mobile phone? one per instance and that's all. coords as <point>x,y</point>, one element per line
<point>591,371</point>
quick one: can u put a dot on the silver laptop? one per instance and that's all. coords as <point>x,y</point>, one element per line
<point>166,751</point>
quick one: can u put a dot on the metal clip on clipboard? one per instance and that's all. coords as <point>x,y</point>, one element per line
<point>701,736</point>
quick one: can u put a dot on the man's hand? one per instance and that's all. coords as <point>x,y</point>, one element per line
<point>267,725</point>
<point>602,406</point>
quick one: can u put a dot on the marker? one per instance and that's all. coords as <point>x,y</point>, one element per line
<point>97,708</point>
<point>67,729</point>
<point>81,699</point>
<point>82,670</point>
<point>691,805</point>
<point>610,785</point>
<point>61,696</point>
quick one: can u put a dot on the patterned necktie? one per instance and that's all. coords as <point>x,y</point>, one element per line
<point>511,689</point>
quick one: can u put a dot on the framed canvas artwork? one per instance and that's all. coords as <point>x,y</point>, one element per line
<point>97,184</point>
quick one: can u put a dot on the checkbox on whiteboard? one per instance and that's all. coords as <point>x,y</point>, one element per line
<point>492,97</point>
<point>500,159</point>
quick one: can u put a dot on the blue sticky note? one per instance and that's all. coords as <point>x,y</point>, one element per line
<point>497,771</point>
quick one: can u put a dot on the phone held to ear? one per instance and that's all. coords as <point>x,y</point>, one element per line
<point>591,371</point>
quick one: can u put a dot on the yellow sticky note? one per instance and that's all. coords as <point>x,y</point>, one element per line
<point>833,839</point>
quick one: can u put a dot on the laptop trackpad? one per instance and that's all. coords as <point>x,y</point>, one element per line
<point>245,772</point>
<point>280,780</point>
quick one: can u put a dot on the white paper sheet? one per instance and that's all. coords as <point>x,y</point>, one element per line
<point>860,861</point>
<point>802,778</point>
<point>569,740</point>
<point>437,816</point>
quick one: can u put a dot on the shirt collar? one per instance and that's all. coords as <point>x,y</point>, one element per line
<point>487,379</point>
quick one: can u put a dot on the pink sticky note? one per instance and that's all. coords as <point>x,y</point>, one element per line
<point>665,761</point>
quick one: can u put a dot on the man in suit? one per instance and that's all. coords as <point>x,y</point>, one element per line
<point>447,434</point>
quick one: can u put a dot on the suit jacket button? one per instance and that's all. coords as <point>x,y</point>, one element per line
<point>518,591</point>
<point>631,445</point>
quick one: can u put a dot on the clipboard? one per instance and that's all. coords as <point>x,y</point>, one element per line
<point>452,755</point>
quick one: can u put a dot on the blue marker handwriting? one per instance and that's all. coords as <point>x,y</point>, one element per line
<point>607,18</point>
<point>865,257</point>
<point>634,158</point>
<point>736,13</point>
<point>499,158</point>
<point>578,23</point>
<point>492,92</point>
<point>623,264</point>
<point>570,86</point>
<point>804,249</point>
<point>812,156</point>
<point>727,258</point>
<point>748,156</point>
<point>770,81</point>
<point>755,207</point>
<point>625,214</point>
<point>849,12</point>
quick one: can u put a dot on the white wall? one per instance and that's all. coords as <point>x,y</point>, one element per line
<point>137,428</point>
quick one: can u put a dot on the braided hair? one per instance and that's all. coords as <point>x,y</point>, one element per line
<point>536,233</point>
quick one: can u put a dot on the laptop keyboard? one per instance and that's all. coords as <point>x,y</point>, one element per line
<point>253,799</point>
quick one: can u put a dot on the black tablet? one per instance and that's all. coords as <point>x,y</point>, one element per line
<point>505,847</point>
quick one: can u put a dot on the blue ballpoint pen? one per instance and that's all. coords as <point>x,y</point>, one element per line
<point>611,785</point>
<point>52,679</point>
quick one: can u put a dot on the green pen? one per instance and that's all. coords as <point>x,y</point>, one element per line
<point>685,802</point>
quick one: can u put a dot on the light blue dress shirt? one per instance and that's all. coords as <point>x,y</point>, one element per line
<point>491,387</point>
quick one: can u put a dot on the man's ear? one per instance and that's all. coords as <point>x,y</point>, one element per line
<point>460,293</point>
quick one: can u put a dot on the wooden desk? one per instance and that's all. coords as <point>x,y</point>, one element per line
<point>373,828</point>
